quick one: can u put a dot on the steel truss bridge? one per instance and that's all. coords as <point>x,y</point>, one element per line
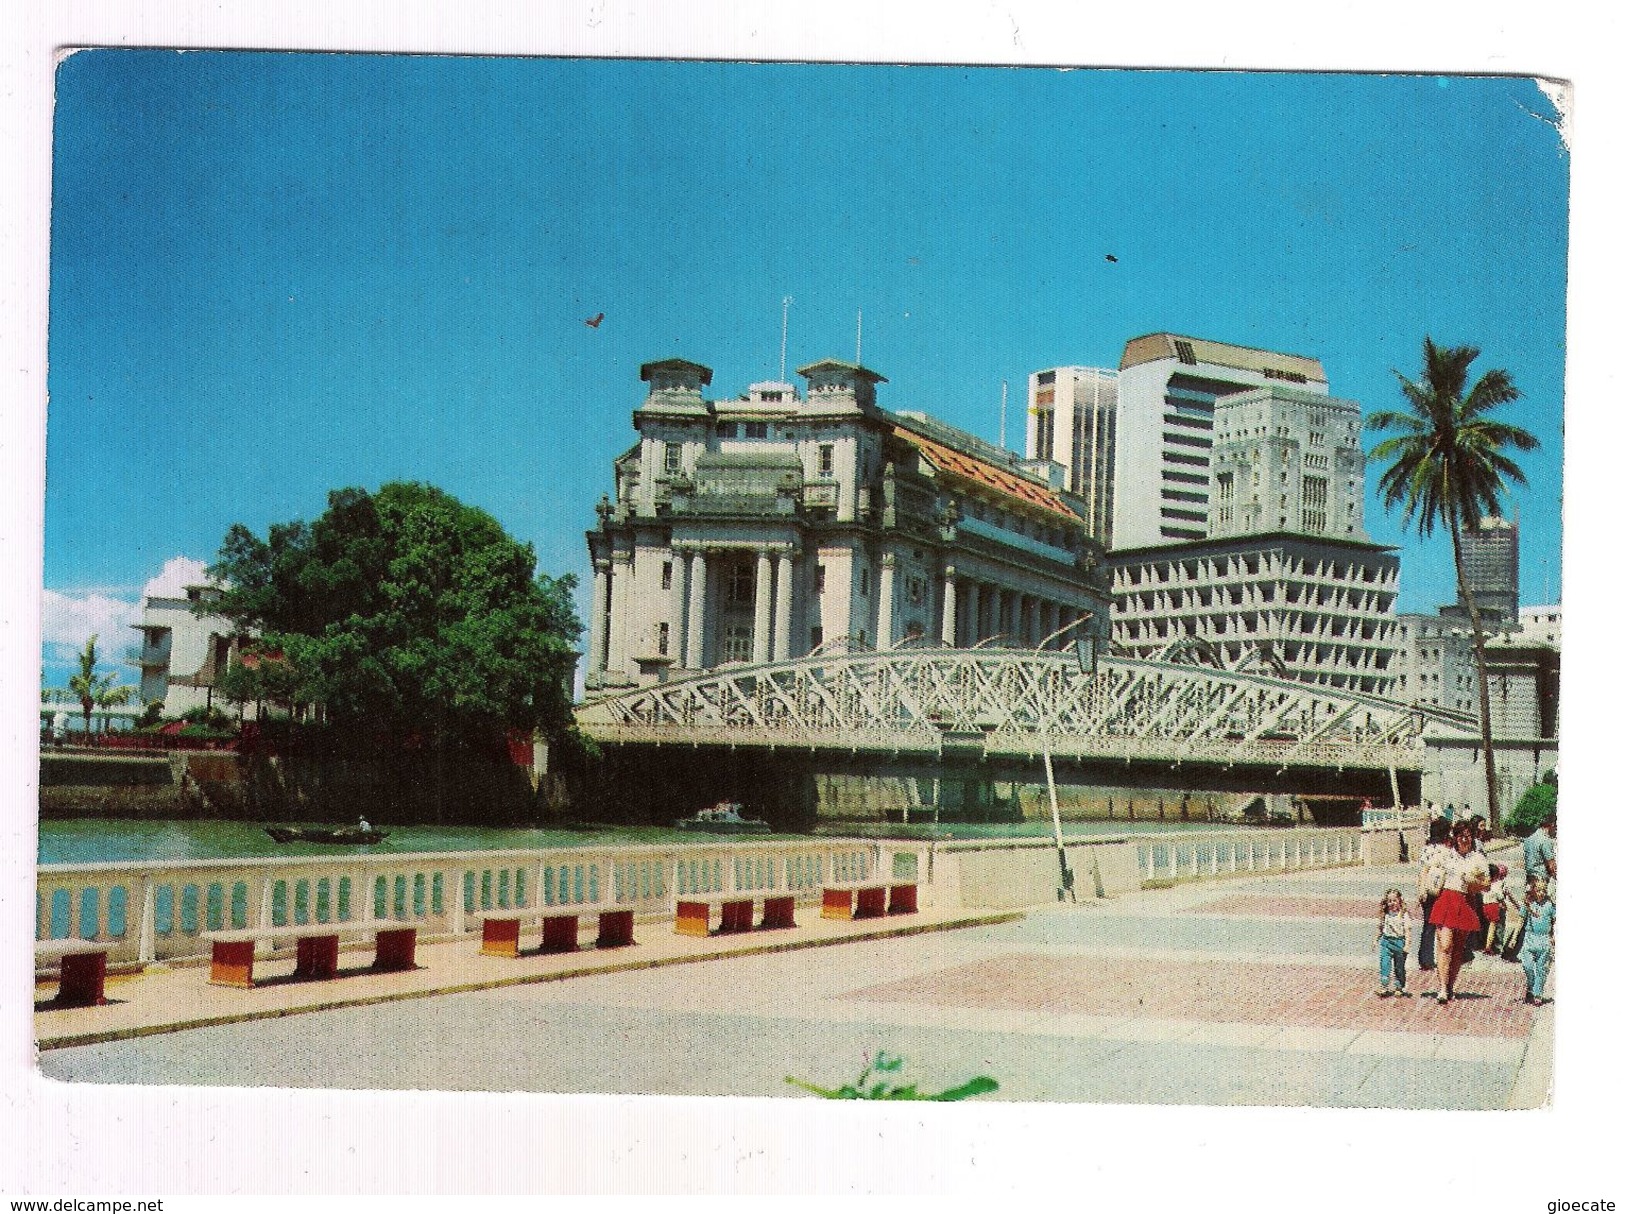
<point>1009,706</point>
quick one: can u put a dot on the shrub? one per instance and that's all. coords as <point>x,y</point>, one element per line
<point>1533,806</point>
<point>861,1089</point>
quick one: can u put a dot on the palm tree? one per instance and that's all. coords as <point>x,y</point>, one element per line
<point>113,697</point>
<point>1448,463</point>
<point>87,684</point>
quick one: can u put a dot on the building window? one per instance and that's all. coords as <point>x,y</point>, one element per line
<point>916,591</point>
<point>736,643</point>
<point>1314,503</point>
<point>674,457</point>
<point>863,581</point>
<point>820,578</point>
<point>816,637</point>
<point>741,584</point>
<point>664,642</point>
<point>826,459</point>
<point>1044,434</point>
<point>755,429</point>
<point>772,398</point>
<point>726,429</point>
<point>665,575</point>
<point>1183,351</point>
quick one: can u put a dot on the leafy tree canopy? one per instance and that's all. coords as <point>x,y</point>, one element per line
<point>1533,807</point>
<point>405,610</point>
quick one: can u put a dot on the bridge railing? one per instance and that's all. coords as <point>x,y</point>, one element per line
<point>1183,856</point>
<point>159,911</point>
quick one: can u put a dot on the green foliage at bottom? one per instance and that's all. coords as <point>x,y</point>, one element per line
<point>885,1064</point>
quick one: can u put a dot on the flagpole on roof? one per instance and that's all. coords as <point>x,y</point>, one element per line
<point>784,336</point>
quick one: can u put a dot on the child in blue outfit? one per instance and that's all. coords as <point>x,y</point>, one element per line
<point>1539,924</point>
<point>1393,943</point>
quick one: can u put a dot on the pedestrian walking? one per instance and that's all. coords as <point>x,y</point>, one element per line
<point>1465,872</point>
<point>1539,936</point>
<point>1511,920</point>
<point>1429,881</point>
<point>1540,855</point>
<point>1491,940</point>
<point>1393,943</point>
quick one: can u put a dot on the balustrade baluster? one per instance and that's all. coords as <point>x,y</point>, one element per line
<point>147,950</point>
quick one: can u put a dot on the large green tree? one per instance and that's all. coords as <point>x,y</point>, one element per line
<point>406,611</point>
<point>1448,464</point>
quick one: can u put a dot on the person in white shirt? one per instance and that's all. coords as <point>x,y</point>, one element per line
<point>1430,881</point>
<point>1466,871</point>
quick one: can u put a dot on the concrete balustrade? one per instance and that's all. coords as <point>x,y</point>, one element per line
<point>149,912</point>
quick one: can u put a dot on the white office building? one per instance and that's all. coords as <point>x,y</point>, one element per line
<point>1072,421</point>
<point>182,654</point>
<point>1168,389</point>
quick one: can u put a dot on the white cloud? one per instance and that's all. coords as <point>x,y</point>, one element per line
<point>178,573</point>
<point>69,620</point>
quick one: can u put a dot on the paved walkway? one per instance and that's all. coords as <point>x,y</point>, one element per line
<point>1250,991</point>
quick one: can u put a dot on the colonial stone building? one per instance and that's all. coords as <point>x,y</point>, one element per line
<point>767,527</point>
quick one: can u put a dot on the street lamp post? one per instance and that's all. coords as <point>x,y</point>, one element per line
<point>1067,887</point>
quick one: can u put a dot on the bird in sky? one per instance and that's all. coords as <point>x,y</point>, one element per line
<point>595,321</point>
<point>1111,257</point>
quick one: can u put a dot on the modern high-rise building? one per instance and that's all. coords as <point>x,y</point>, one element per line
<point>1287,460</point>
<point>1168,390</point>
<point>1318,610</point>
<point>1489,553</point>
<point>1072,421</point>
<point>1230,486</point>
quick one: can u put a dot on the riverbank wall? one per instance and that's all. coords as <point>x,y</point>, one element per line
<point>397,789</point>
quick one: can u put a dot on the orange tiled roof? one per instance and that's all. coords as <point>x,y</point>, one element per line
<point>981,472</point>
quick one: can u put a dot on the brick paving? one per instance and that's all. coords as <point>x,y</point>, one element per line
<point>1300,996</point>
<point>1272,906</point>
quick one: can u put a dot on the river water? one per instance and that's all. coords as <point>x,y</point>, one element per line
<point>97,840</point>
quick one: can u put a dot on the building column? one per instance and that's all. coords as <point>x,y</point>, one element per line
<point>764,606</point>
<point>679,604</point>
<point>995,611</point>
<point>620,596</point>
<point>888,580</point>
<point>950,608</point>
<point>785,575</point>
<point>973,614</point>
<point>600,620</point>
<point>695,654</point>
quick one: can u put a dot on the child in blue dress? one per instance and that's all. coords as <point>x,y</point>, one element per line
<point>1539,930</point>
<point>1393,943</point>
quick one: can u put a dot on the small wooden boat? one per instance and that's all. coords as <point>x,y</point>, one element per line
<point>350,836</point>
<point>723,818</point>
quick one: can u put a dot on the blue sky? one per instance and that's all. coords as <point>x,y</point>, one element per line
<point>278,274</point>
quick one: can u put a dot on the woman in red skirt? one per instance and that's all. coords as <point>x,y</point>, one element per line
<point>1466,871</point>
